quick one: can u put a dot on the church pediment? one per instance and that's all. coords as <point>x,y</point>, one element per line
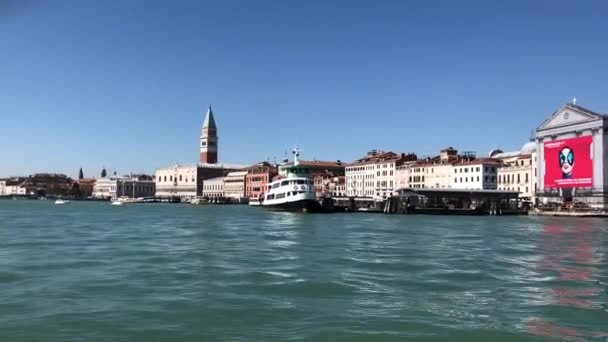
<point>569,115</point>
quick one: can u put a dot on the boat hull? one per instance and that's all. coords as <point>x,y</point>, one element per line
<point>309,206</point>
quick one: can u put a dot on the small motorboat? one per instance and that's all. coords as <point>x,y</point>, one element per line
<point>198,201</point>
<point>60,201</point>
<point>124,200</point>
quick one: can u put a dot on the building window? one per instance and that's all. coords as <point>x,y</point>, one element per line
<point>455,180</point>
<point>526,179</point>
<point>478,178</point>
<point>518,178</point>
<point>485,169</point>
<point>477,169</point>
<point>180,178</point>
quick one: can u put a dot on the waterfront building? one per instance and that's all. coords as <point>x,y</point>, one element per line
<point>43,184</point>
<point>128,186</point>
<point>571,147</point>
<point>13,186</point>
<point>433,172</point>
<point>105,188</point>
<point>182,181</point>
<point>186,181</point>
<point>448,170</point>
<point>258,177</point>
<point>14,189</point>
<point>135,187</point>
<point>86,186</point>
<point>329,184</point>
<point>209,140</point>
<point>403,175</point>
<point>476,174</point>
<point>234,185</point>
<point>213,188</point>
<point>374,175</point>
<point>517,171</point>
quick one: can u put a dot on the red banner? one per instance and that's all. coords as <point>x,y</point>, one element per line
<point>569,163</point>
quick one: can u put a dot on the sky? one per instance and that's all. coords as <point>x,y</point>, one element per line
<point>126,84</point>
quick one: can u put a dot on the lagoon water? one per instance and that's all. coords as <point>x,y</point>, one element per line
<point>170,272</point>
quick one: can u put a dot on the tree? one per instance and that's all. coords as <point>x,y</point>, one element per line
<point>80,174</point>
<point>75,191</point>
<point>103,173</point>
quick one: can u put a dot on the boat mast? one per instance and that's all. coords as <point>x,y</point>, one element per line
<point>296,156</point>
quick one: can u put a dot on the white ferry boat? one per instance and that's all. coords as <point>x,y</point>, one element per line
<point>294,192</point>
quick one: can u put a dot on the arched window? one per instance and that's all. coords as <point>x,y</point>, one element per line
<point>165,178</point>
<point>180,178</point>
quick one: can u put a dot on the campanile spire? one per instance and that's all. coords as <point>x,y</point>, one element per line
<point>208,141</point>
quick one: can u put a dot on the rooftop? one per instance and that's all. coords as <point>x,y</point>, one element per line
<point>479,161</point>
<point>383,157</point>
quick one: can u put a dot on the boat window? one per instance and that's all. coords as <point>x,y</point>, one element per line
<point>300,181</point>
<point>283,183</point>
<point>276,185</point>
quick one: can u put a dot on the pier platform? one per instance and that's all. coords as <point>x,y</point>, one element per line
<point>455,202</point>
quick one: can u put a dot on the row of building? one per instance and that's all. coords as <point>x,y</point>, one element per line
<point>380,173</point>
<point>564,162</point>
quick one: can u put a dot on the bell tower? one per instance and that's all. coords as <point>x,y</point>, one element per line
<point>208,142</point>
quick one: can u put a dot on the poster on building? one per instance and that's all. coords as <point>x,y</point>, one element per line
<point>569,163</point>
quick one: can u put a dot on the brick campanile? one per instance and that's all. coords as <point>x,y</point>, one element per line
<point>209,139</point>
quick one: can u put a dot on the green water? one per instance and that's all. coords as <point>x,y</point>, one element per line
<point>165,272</point>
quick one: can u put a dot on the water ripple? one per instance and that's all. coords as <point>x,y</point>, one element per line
<point>93,272</point>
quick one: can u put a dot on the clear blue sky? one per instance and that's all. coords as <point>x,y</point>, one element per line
<point>126,84</point>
